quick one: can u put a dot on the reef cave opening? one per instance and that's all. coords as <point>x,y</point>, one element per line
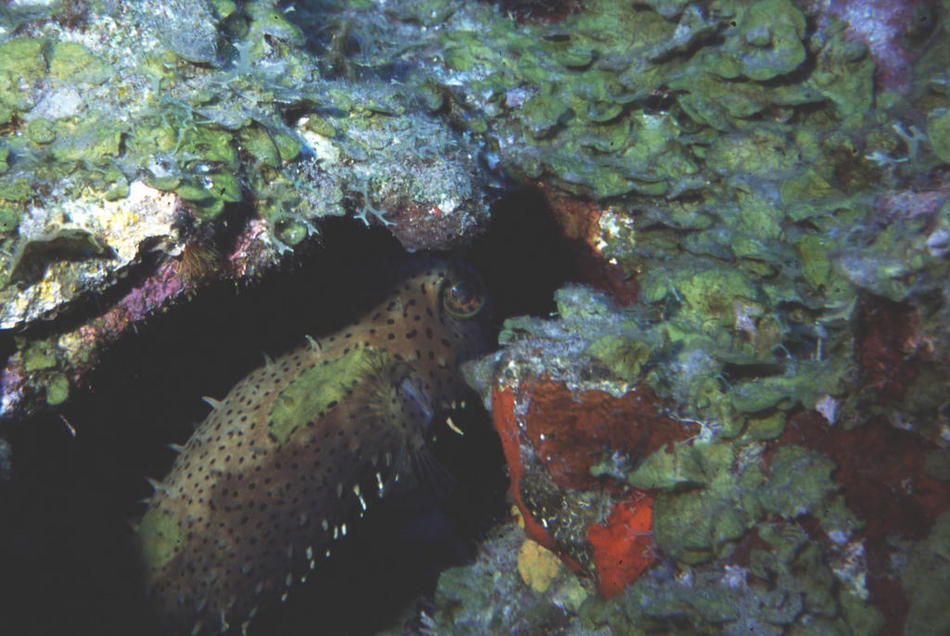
<point>67,513</point>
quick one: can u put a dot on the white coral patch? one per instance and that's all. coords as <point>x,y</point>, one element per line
<point>145,218</point>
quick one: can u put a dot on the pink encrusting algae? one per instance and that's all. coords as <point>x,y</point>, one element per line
<point>198,264</point>
<point>884,26</point>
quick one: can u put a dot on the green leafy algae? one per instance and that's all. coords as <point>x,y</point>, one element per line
<point>259,144</point>
<point>625,357</point>
<point>708,295</point>
<point>74,62</point>
<point>800,481</point>
<point>57,389</point>
<point>95,142</point>
<point>9,218</point>
<point>816,265</point>
<point>543,113</point>
<point>806,584</point>
<point>938,132</point>
<point>699,524</point>
<point>39,355</point>
<point>844,74</point>
<point>22,66</point>
<point>40,131</point>
<point>767,427</point>
<point>802,383</point>
<point>759,151</point>
<point>768,41</point>
<point>925,580</point>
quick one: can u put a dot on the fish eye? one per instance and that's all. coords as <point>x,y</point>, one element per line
<point>462,296</point>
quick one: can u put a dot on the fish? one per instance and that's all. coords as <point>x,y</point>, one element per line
<point>303,446</point>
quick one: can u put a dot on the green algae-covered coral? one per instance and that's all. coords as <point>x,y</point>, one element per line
<point>927,572</point>
<point>767,42</point>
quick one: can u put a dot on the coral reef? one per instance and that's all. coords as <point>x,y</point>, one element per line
<point>735,419</point>
<point>148,127</point>
<point>688,520</point>
<point>490,596</point>
<point>746,308</point>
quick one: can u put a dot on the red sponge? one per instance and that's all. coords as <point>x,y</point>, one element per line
<point>622,547</point>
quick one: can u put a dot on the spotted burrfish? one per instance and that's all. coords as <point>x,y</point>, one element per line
<point>300,448</point>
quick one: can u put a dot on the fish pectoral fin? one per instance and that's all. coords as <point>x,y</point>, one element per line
<point>430,474</point>
<point>397,398</point>
<point>410,389</point>
<point>417,470</point>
